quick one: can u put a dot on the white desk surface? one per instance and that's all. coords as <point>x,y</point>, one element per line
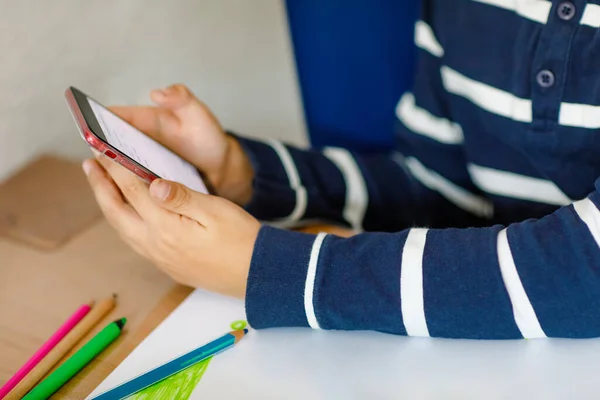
<point>296,363</point>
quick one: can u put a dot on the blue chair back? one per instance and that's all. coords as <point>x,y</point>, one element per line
<point>354,59</point>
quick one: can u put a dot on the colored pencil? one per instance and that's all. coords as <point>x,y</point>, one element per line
<point>45,349</point>
<point>156,375</point>
<point>100,310</point>
<point>77,361</point>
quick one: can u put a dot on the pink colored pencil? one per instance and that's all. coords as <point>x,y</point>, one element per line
<point>45,349</point>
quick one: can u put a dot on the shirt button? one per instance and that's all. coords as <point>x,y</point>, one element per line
<point>545,78</point>
<point>566,10</point>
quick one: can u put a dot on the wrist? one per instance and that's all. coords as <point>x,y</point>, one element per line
<point>234,180</point>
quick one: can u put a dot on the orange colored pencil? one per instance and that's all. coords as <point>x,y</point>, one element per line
<point>100,310</point>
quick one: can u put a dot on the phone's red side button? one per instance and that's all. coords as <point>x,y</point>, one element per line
<point>110,154</point>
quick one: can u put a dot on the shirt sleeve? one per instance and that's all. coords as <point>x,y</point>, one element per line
<point>533,279</point>
<point>375,192</point>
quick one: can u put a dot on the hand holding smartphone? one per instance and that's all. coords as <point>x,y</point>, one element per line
<point>126,145</point>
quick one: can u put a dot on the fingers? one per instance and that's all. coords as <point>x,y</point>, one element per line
<point>179,199</point>
<point>119,214</point>
<point>133,189</point>
<point>177,107</point>
<point>173,97</point>
<point>158,123</point>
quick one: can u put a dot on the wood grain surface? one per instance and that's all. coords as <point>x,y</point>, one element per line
<point>46,203</point>
<point>39,290</point>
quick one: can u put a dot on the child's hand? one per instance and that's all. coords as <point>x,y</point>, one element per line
<point>185,125</point>
<point>199,240</point>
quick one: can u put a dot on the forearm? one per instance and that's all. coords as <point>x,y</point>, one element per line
<point>365,192</point>
<point>531,279</point>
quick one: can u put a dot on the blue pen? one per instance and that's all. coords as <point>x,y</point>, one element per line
<point>164,371</point>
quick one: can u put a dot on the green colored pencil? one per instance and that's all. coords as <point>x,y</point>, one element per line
<point>77,361</point>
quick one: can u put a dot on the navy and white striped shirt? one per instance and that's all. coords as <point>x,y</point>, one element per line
<point>489,198</point>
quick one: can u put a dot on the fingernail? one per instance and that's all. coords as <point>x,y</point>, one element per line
<point>87,167</point>
<point>160,189</point>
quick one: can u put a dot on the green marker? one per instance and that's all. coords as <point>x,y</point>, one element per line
<point>77,361</point>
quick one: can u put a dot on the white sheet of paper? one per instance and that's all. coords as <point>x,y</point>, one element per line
<point>298,363</point>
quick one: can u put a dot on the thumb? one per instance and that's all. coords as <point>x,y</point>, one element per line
<point>179,199</point>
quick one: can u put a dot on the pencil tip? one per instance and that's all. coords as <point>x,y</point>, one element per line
<point>239,334</point>
<point>115,296</point>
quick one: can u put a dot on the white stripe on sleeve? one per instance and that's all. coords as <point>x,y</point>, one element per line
<point>590,215</point>
<point>535,10</point>
<point>294,178</point>
<point>425,39</point>
<point>517,186</point>
<point>423,122</point>
<point>487,97</point>
<point>455,194</point>
<point>411,284</point>
<point>357,196</point>
<point>309,286</point>
<point>523,311</point>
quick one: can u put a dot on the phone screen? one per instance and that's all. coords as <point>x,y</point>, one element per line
<point>146,151</point>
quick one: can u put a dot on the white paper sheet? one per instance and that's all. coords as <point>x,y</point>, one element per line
<point>297,363</point>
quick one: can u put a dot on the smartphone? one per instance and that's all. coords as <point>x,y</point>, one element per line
<point>124,144</point>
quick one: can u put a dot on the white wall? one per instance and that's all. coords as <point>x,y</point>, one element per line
<point>235,54</point>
